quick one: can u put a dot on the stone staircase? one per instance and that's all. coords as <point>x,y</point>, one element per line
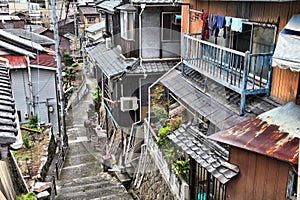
<point>101,186</point>
<point>82,175</point>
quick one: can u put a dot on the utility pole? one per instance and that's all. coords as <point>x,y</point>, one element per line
<point>59,74</point>
<point>75,28</point>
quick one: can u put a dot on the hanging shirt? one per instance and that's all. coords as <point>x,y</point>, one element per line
<point>228,21</point>
<point>212,24</point>
<point>205,29</point>
<point>221,24</point>
<point>237,25</point>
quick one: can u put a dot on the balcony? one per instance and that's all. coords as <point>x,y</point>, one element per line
<point>242,72</point>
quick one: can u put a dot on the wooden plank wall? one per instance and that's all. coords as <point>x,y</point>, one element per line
<point>284,82</point>
<point>260,177</point>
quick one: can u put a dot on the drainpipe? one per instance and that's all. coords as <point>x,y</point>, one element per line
<point>30,86</point>
<point>298,183</point>
<point>140,35</point>
<point>141,59</point>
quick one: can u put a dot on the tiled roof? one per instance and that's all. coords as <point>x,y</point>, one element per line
<point>88,10</point>
<point>21,41</point>
<point>157,1</point>
<point>8,125</point>
<point>109,60</point>
<point>216,113</point>
<point>40,39</point>
<point>154,67</point>
<point>206,153</point>
<point>255,105</point>
<point>16,49</point>
<point>274,133</point>
<point>109,6</point>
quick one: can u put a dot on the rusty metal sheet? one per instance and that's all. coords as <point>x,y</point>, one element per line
<point>274,133</point>
<point>17,61</point>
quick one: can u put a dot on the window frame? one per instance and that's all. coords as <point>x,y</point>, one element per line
<point>127,27</point>
<point>89,21</point>
<point>172,25</point>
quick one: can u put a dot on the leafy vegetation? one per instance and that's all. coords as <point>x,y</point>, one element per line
<point>182,167</point>
<point>28,196</point>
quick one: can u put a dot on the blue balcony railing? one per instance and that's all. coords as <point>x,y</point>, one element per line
<point>244,73</point>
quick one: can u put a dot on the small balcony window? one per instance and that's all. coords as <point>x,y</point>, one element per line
<point>91,20</point>
<point>127,25</point>
<point>170,26</point>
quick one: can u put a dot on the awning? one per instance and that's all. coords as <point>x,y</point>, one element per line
<point>206,153</point>
<point>287,50</point>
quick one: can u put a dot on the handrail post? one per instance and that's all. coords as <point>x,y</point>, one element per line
<point>56,169</point>
<point>54,185</point>
<point>245,80</point>
<point>184,46</point>
<point>269,81</point>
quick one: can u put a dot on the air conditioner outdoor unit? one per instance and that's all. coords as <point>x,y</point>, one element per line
<point>128,103</point>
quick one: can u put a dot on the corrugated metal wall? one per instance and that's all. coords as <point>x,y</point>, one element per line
<point>47,93</point>
<point>284,82</point>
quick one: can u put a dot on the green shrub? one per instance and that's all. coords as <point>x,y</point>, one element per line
<point>26,142</point>
<point>28,196</point>
<point>182,167</point>
<point>33,120</point>
<point>161,114</point>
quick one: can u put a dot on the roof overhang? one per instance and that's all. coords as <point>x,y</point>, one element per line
<point>205,152</point>
<point>287,50</point>
<point>274,133</point>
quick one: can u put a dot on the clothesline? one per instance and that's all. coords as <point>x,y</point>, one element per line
<point>244,21</point>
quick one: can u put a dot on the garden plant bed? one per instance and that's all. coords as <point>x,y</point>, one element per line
<point>33,155</point>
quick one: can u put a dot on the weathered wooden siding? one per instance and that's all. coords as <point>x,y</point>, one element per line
<point>260,177</point>
<point>284,82</point>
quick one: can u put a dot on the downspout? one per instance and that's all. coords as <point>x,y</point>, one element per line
<point>141,59</point>
<point>30,87</point>
<point>140,36</point>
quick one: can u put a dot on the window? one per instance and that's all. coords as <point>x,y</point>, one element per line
<point>127,25</point>
<point>170,26</point>
<point>91,20</point>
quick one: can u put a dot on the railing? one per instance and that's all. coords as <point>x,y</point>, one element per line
<point>244,73</point>
<point>58,167</point>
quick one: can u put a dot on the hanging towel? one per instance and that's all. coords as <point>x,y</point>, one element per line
<point>205,29</point>
<point>237,25</point>
<point>228,21</point>
<point>212,23</point>
<point>221,24</point>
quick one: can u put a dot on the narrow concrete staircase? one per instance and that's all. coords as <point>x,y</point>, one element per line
<point>82,175</point>
<point>101,186</point>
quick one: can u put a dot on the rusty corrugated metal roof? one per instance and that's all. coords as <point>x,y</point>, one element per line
<point>17,62</point>
<point>274,133</point>
<point>44,60</point>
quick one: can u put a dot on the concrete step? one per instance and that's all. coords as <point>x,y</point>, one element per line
<point>77,187</point>
<point>81,158</point>
<point>111,191</point>
<point>100,186</point>
<point>85,180</point>
<point>81,170</point>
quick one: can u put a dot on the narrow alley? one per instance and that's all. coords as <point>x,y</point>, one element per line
<point>82,175</point>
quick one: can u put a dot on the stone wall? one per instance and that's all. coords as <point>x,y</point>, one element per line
<point>49,155</point>
<point>153,185</point>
